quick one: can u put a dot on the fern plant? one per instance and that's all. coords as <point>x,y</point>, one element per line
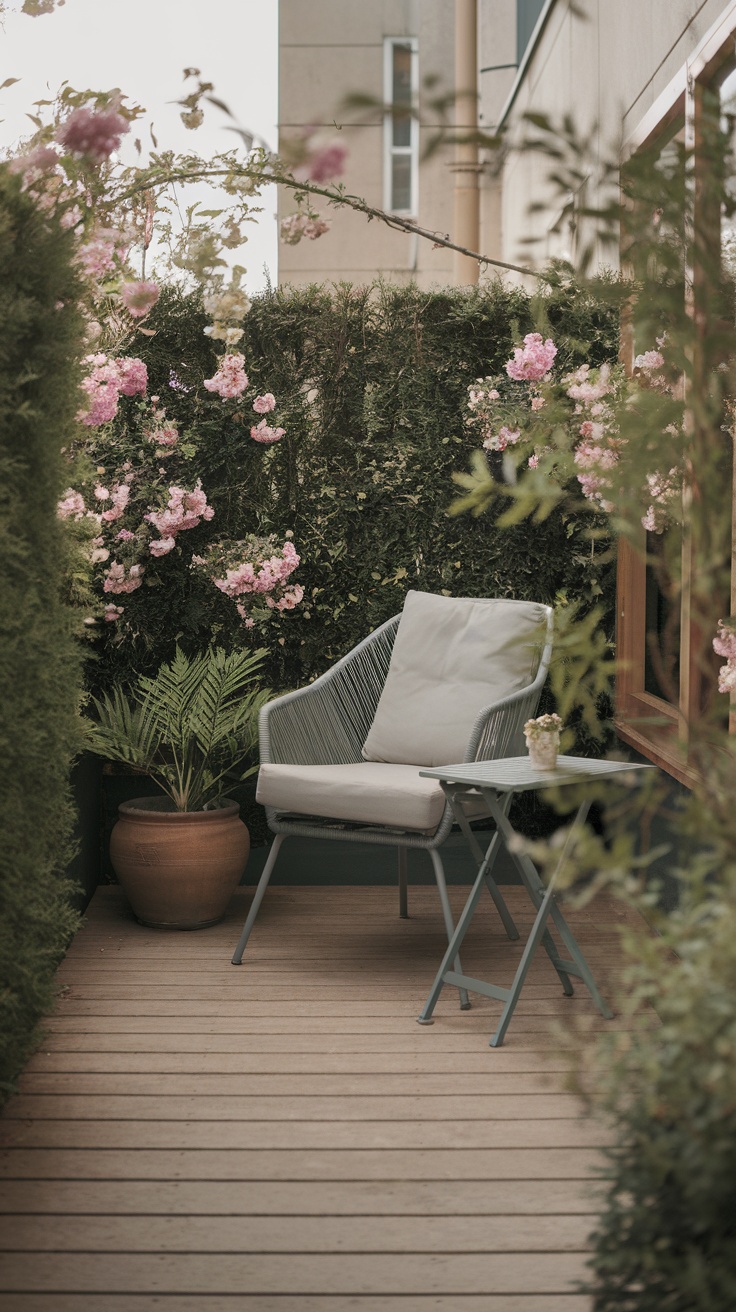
<point>190,727</point>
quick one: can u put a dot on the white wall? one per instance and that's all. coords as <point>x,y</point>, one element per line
<point>606,70</point>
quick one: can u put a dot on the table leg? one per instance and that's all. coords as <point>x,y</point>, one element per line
<point>532,881</point>
<point>489,859</point>
<point>547,906</point>
<point>461,929</point>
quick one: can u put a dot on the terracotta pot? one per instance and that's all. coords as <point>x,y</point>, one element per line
<point>179,869</point>
<point>543,750</point>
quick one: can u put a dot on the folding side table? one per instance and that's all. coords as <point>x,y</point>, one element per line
<point>497,781</point>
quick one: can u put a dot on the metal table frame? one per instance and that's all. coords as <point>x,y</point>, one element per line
<point>498,781</point>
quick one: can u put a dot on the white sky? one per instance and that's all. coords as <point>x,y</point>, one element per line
<point>142,46</point>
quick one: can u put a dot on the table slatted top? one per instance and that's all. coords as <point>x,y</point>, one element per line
<point>514,774</point>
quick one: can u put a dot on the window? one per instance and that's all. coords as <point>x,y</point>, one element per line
<point>527,14</point>
<point>401,128</point>
<point>668,669</point>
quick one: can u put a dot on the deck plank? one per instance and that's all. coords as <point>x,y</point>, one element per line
<point>198,1138</point>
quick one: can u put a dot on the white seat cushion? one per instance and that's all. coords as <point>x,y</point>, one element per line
<point>369,793</point>
<point>452,656</point>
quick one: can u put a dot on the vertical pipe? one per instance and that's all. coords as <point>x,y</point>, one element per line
<point>466,217</point>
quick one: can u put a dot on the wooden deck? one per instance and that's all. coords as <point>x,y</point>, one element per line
<point>194,1137</point>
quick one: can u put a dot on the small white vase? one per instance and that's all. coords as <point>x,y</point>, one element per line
<point>543,750</point>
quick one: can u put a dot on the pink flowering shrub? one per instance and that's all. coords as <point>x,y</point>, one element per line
<point>107,379</point>
<point>572,426</point>
<point>118,579</point>
<point>183,510</point>
<point>254,567</point>
<point>94,133</point>
<point>139,498</point>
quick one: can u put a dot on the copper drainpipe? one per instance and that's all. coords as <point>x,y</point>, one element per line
<point>466,230</point>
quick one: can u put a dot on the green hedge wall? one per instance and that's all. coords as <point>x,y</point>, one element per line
<point>371,386</point>
<point>40,671</point>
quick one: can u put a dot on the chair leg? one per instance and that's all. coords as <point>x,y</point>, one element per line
<point>439,874</point>
<point>237,956</point>
<point>403,893</point>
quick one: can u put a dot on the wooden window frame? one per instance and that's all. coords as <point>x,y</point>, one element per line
<point>654,727</point>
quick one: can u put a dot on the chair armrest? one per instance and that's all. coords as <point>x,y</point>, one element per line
<point>499,729</point>
<point>326,723</point>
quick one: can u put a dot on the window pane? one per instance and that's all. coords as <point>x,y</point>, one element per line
<point>401,95</point>
<point>401,182</point>
<point>662,629</point>
<point>401,90</point>
<point>527,13</point>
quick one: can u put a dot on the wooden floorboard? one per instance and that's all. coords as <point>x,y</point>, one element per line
<point>192,1137</point>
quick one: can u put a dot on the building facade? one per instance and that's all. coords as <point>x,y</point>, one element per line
<point>630,77</point>
<point>328,50</point>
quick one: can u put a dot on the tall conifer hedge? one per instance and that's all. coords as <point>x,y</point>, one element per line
<point>40,671</point>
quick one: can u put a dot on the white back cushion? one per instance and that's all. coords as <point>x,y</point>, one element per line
<point>452,656</point>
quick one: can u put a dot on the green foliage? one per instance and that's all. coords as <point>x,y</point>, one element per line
<point>666,1236</point>
<point>371,387</point>
<point>189,728</point>
<point>40,677</point>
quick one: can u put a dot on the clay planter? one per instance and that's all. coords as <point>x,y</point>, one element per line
<point>179,869</point>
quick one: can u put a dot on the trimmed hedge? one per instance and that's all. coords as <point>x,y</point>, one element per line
<point>40,664</point>
<point>371,385</point>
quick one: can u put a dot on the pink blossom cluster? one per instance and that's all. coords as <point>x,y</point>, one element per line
<point>724,644</point>
<point>593,460</point>
<point>649,361</point>
<point>119,495</point>
<point>296,226</point>
<point>322,163</point>
<point>597,453</point>
<point>289,598</point>
<point>71,505</point>
<point>663,490</point>
<point>532,361</point>
<point>264,404</point>
<point>133,375</point>
<point>139,297</point>
<point>117,579</point>
<point>184,510</point>
<point>40,160</point>
<point>261,575</point>
<point>164,432</point>
<point>482,398</point>
<point>589,388</point>
<point>98,255</point>
<point>264,433</point>
<point>231,379</point>
<point>107,379</point>
<point>95,133</point>
<point>112,612</point>
<point>504,437</point>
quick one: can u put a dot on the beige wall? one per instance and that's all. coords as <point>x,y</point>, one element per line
<point>328,49</point>
<point>607,71</point>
